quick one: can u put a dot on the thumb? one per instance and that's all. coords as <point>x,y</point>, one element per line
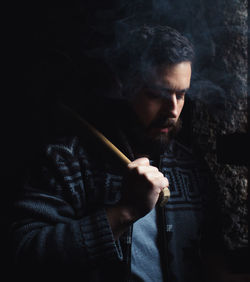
<point>140,161</point>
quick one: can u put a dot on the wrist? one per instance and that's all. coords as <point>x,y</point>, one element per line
<point>120,217</point>
<point>124,215</point>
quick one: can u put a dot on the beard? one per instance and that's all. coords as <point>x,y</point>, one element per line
<point>148,141</point>
<point>158,140</point>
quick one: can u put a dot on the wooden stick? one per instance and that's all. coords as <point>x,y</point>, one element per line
<point>165,193</point>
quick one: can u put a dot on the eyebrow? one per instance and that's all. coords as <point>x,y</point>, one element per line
<point>168,89</point>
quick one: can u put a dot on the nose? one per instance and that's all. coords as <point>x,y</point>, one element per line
<point>170,104</point>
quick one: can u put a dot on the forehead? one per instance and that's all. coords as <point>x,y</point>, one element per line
<point>175,76</point>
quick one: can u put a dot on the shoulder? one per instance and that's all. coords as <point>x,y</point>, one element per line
<point>67,146</point>
<point>69,153</point>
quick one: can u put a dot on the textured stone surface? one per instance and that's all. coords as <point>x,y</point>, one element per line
<point>227,76</point>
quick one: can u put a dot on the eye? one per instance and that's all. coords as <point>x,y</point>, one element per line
<point>153,94</point>
<point>180,95</point>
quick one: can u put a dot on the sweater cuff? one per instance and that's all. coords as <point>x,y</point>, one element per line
<point>98,238</point>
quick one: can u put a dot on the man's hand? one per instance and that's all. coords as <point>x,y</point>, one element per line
<point>141,190</point>
<point>142,187</point>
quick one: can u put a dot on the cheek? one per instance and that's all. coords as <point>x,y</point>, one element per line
<point>180,107</point>
<point>150,110</point>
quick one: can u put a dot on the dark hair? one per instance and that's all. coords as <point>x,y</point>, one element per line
<point>145,47</point>
<point>161,45</point>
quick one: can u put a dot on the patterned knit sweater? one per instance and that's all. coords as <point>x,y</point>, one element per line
<point>60,228</point>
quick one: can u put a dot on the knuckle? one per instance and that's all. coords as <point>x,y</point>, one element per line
<point>166,180</point>
<point>131,166</point>
<point>154,168</point>
<point>141,161</point>
<point>161,174</point>
<point>145,160</point>
<point>139,170</point>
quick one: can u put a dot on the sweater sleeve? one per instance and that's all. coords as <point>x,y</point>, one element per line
<point>47,227</point>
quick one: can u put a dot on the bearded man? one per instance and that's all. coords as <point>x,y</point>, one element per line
<point>83,215</point>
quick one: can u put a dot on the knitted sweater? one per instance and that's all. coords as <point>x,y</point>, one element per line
<point>60,224</point>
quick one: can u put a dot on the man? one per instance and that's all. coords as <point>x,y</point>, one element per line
<point>83,216</point>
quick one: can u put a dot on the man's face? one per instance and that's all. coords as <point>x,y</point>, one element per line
<point>159,103</point>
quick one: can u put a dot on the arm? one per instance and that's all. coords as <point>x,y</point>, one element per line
<point>50,223</point>
<point>48,231</point>
<point>47,227</point>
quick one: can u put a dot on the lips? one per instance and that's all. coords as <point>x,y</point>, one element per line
<point>164,130</point>
<point>161,126</point>
<point>157,130</point>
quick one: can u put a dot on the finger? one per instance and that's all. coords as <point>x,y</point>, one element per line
<point>166,181</point>
<point>161,182</point>
<point>152,174</point>
<point>145,169</point>
<point>140,161</point>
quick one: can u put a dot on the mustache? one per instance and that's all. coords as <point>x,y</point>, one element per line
<point>162,122</point>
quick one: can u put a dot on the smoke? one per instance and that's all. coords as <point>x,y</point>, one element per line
<point>205,23</point>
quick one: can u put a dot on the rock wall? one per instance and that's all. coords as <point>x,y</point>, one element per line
<point>226,76</point>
